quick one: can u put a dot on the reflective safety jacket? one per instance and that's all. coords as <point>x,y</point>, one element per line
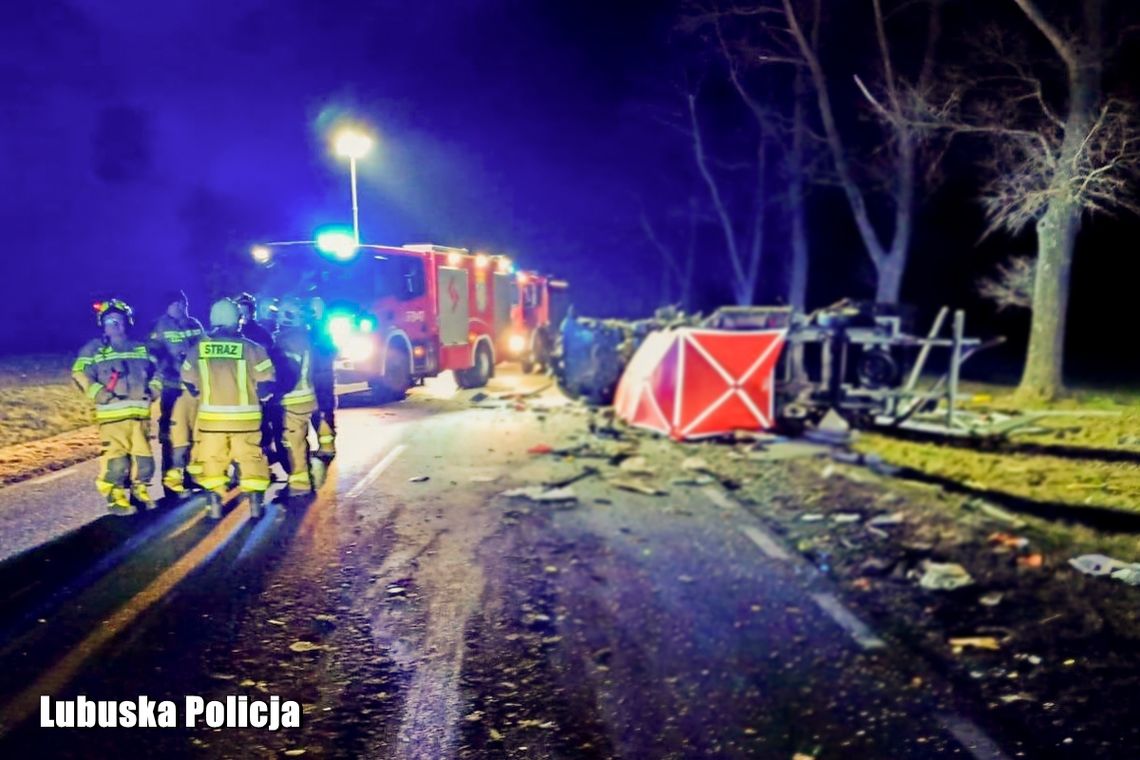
<point>231,375</point>
<point>170,341</point>
<point>293,351</point>
<point>120,379</point>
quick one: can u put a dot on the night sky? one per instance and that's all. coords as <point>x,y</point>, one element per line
<point>145,145</point>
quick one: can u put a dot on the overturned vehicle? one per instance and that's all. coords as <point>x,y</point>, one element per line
<point>762,368</point>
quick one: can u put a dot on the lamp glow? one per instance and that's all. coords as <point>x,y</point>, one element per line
<point>351,143</point>
<point>337,243</point>
<point>261,254</point>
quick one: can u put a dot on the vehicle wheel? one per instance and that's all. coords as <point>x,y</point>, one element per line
<point>397,378</point>
<point>478,375</point>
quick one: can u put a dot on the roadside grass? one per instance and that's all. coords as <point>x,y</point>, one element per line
<point>38,399</point>
<point>1113,424</point>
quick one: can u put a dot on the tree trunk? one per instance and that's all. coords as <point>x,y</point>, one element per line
<point>890,274</point>
<point>1056,235</point>
<point>798,275</point>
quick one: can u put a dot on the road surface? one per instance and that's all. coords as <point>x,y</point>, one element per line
<point>437,618</point>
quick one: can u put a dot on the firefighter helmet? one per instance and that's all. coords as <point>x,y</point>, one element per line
<point>249,300</point>
<point>224,313</point>
<point>291,313</point>
<point>113,305</point>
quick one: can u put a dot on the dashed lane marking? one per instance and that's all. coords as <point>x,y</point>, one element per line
<point>766,543</point>
<point>844,618</point>
<point>974,739</point>
<point>376,471</point>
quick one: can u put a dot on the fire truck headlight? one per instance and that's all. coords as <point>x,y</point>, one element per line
<point>337,244</point>
<point>516,343</point>
<point>340,329</point>
<point>367,325</point>
<point>357,348</point>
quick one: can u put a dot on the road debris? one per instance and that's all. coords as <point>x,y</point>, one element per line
<point>542,494</point>
<point>886,521</point>
<point>944,576</point>
<point>843,518</point>
<point>305,646</point>
<point>1008,541</point>
<point>991,599</point>
<point>637,466</point>
<point>419,479</point>
<point>1097,564</point>
<point>694,464</point>
<point>975,642</point>
<point>636,487</point>
<point>540,448</point>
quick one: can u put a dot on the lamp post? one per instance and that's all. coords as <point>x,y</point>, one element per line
<point>352,144</point>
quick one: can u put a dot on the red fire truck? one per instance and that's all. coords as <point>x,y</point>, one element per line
<point>540,308</point>
<point>399,314</point>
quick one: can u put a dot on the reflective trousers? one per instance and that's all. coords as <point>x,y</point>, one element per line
<point>124,441</point>
<point>296,443</point>
<point>177,411</point>
<point>214,452</point>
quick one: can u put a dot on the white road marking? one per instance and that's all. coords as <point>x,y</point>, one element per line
<point>843,617</point>
<point>716,496</point>
<point>376,471</point>
<point>53,475</point>
<point>972,738</point>
<point>767,544</point>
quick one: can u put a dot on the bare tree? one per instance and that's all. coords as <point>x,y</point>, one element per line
<point>1012,285</point>
<point>1054,159</point>
<point>889,247</point>
<point>678,252</point>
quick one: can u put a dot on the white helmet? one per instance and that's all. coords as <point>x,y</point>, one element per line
<point>224,313</point>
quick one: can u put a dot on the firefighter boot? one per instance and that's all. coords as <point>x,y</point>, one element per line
<point>214,504</point>
<point>256,503</point>
<point>142,496</point>
<point>173,482</point>
<point>119,502</point>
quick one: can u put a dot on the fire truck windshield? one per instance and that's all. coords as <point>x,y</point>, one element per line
<point>399,277</point>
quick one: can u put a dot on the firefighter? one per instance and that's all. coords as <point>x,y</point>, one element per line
<point>324,355</point>
<point>175,336</point>
<point>118,374</point>
<point>294,356</point>
<point>252,329</point>
<point>232,375</point>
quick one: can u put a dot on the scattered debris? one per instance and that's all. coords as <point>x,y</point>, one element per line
<point>304,646</point>
<point>636,487</point>
<point>995,512</point>
<point>419,479</point>
<point>843,518</point>
<point>542,494</point>
<point>1008,541</point>
<point>541,448</point>
<point>832,429</point>
<point>637,466</point>
<point>991,599</point>
<point>883,521</point>
<point>811,517</point>
<point>694,464</point>
<point>1018,697</point>
<point>479,397</point>
<point>939,576</point>
<point>1097,564</point>
<point>976,642</point>
<point>875,566</point>
<point>1031,560</point>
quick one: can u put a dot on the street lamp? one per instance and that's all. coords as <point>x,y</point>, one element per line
<point>352,144</point>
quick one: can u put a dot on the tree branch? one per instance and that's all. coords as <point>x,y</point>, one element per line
<point>1063,46</point>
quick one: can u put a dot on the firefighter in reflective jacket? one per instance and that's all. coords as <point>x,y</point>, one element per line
<point>294,356</point>
<point>118,374</point>
<point>175,335</point>
<point>324,356</point>
<point>231,375</point>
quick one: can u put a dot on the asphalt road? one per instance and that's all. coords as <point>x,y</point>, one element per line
<point>437,618</point>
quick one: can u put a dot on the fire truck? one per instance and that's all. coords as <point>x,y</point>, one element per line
<point>541,306</point>
<point>400,314</point>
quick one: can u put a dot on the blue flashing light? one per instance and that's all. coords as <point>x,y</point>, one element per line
<point>367,325</point>
<point>336,243</point>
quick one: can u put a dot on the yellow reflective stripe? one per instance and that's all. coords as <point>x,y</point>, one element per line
<point>212,482</point>
<point>295,398</point>
<point>262,366</point>
<point>204,377</point>
<point>229,416</point>
<point>93,390</point>
<point>81,363</point>
<point>243,382</point>
<point>254,484</point>
<point>103,355</point>
<point>115,415</point>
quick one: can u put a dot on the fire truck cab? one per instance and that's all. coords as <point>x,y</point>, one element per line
<point>540,307</point>
<point>399,314</point>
